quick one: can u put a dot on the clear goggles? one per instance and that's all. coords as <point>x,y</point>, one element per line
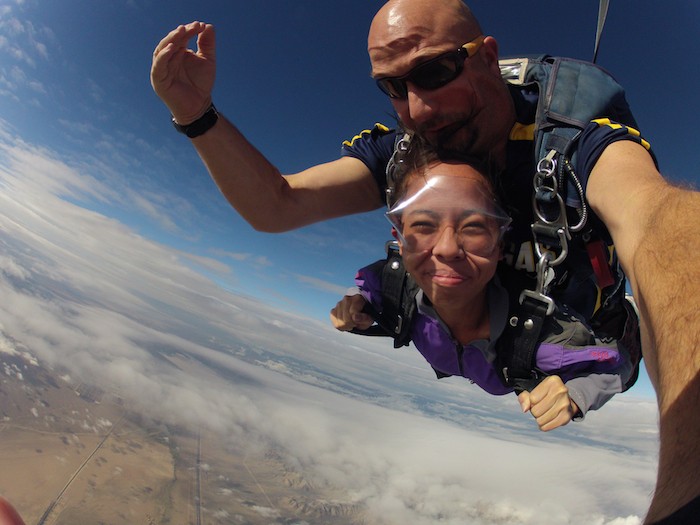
<point>460,206</point>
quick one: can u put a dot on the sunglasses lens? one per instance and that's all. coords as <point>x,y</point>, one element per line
<point>436,73</point>
<point>430,75</point>
<point>394,87</point>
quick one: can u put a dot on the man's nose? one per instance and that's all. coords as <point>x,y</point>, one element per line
<point>422,106</point>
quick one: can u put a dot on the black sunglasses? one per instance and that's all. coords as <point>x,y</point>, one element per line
<point>433,73</point>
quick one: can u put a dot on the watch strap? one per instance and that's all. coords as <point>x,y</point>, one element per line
<point>199,126</point>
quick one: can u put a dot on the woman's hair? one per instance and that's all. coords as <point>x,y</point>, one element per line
<point>420,155</point>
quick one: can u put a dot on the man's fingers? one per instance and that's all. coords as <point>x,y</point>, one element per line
<point>173,39</point>
<point>181,35</point>
<point>206,42</point>
<point>174,42</point>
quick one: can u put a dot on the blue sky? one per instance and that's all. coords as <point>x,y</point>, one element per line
<point>293,76</point>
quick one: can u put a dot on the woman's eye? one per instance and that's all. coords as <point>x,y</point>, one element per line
<point>422,226</point>
<point>474,228</point>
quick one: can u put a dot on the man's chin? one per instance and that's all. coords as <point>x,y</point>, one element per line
<point>457,138</point>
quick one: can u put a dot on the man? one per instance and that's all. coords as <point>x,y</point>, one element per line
<point>653,224</point>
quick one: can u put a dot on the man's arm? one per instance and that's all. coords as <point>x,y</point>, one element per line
<point>656,229</point>
<point>184,80</point>
<point>271,202</point>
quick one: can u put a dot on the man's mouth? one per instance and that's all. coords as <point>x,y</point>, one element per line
<point>444,137</point>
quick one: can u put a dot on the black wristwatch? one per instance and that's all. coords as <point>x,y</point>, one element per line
<point>199,126</point>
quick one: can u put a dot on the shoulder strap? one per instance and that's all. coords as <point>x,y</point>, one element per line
<point>398,301</point>
<point>572,93</point>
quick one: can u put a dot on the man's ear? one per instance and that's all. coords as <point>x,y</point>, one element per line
<point>489,51</point>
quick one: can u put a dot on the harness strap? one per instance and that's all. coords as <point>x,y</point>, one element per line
<point>381,329</point>
<point>398,301</point>
<point>517,346</point>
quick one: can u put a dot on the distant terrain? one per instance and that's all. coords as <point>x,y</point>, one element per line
<point>76,454</point>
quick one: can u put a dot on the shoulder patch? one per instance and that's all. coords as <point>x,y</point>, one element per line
<point>631,131</point>
<point>522,131</point>
<point>378,128</point>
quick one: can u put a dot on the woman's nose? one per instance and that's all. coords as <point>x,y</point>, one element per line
<point>447,244</point>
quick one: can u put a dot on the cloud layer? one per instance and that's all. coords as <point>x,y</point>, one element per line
<point>84,292</point>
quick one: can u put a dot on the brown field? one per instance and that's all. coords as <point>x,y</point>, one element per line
<point>74,454</point>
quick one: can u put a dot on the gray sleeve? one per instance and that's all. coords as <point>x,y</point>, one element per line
<point>592,391</point>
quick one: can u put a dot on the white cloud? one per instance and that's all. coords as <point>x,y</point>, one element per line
<point>28,169</point>
<point>42,50</point>
<point>17,40</point>
<point>150,206</point>
<point>37,86</point>
<point>86,292</point>
<point>13,26</point>
<point>86,128</point>
<point>257,260</point>
<point>322,285</point>
<point>11,269</point>
<point>95,91</point>
<point>26,49</point>
<point>208,263</point>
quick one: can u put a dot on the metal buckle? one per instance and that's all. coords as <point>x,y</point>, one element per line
<point>538,296</point>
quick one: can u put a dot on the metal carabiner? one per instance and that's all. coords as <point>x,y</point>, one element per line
<point>545,274</point>
<point>545,182</point>
<point>390,172</point>
<point>563,236</point>
<point>546,169</point>
<point>555,230</point>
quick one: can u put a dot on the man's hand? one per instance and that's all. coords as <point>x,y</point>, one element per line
<point>549,403</point>
<point>347,314</point>
<point>182,78</point>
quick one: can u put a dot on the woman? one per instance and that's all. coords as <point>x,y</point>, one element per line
<point>450,229</point>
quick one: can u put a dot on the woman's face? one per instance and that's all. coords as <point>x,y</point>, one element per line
<point>449,231</point>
